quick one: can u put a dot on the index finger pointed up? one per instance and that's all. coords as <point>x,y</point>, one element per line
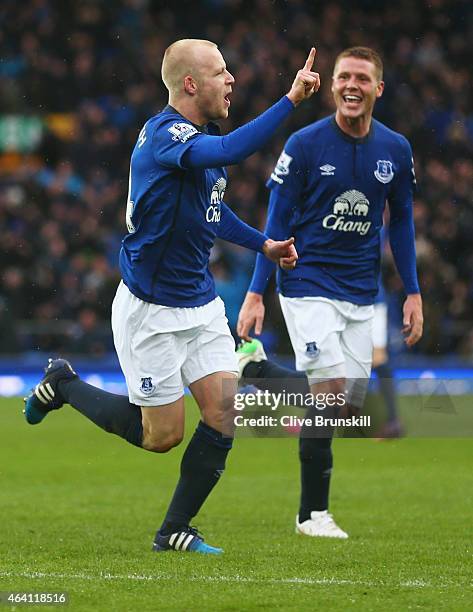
<point>310,60</point>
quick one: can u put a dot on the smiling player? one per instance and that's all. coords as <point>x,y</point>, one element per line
<point>329,190</point>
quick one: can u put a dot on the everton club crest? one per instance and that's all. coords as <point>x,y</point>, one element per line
<point>312,349</point>
<point>147,386</point>
<point>384,171</point>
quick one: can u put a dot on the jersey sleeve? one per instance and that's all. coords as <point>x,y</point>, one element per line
<point>404,184</point>
<point>179,143</point>
<point>232,229</point>
<point>277,228</point>
<point>216,151</point>
<point>289,174</point>
<point>401,224</point>
<point>171,140</point>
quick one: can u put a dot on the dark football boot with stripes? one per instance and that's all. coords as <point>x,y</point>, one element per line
<point>187,540</point>
<point>46,396</point>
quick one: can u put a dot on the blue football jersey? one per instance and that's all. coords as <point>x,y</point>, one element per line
<point>338,187</point>
<point>172,216</point>
<point>381,296</point>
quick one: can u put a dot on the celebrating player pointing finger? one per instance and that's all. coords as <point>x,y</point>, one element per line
<point>169,325</point>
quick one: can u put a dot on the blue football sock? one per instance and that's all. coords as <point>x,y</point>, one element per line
<point>113,413</point>
<point>316,460</point>
<point>388,391</point>
<point>267,375</point>
<point>202,465</point>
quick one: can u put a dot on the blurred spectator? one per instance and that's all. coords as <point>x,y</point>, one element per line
<point>89,336</point>
<point>9,343</point>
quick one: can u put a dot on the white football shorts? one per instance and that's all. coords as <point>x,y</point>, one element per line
<point>330,338</point>
<point>161,349</point>
<point>380,325</point>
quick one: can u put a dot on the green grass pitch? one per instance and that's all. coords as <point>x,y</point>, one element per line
<point>79,508</point>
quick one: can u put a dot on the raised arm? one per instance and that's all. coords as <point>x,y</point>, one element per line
<point>215,151</point>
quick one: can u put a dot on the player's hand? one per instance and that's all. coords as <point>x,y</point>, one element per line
<point>282,252</point>
<point>289,262</point>
<point>251,315</point>
<point>413,319</point>
<point>306,81</point>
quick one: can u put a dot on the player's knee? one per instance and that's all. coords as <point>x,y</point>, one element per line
<point>218,417</point>
<point>162,444</point>
<point>380,357</point>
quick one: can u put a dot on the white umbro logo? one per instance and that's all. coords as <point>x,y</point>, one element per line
<point>327,170</point>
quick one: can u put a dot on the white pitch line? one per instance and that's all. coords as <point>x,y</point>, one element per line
<point>416,584</point>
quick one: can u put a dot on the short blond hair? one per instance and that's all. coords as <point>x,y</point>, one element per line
<point>365,53</point>
<point>180,60</point>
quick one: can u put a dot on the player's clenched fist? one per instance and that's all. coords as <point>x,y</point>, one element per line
<point>306,81</point>
<point>282,252</point>
<point>289,261</point>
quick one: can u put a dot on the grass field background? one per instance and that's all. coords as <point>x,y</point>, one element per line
<point>79,508</point>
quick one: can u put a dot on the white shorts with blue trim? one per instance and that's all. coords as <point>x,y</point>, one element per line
<point>161,349</point>
<point>330,338</point>
<point>380,325</point>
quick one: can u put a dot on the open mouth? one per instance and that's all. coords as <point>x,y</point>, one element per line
<point>227,98</point>
<point>352,99</point>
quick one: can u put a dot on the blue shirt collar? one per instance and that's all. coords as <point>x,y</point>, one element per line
<point>352,138</point>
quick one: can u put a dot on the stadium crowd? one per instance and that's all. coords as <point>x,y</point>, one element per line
<point>90,71</point>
